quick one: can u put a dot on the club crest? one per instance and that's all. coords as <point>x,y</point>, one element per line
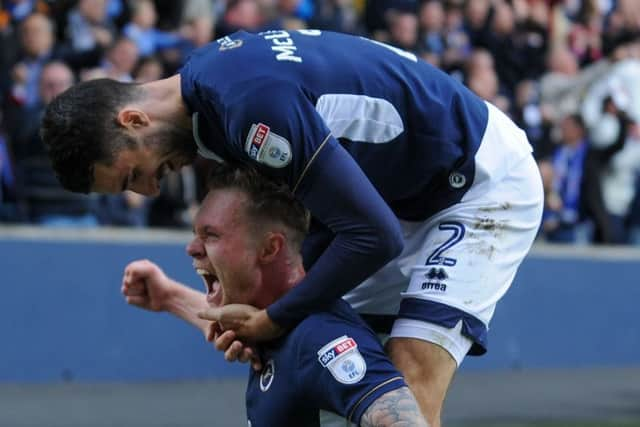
<point>267,375</point>
<point>227,43</point>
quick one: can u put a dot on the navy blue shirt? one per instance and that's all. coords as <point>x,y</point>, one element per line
<point>330,361</point>
<point>362,132</point>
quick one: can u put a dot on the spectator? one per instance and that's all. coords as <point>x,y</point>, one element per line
<point>481,78</point>
<point>619,93</point>
<point>89,25</point>
<point>197,32</point>
<point>300,10</point>
<point>148,70</point>
<point>17,10</point>
<point>585,36</point>
<point>432,37</point>
<point>618,179</point>
<point>561,222</point>
<point>127,209</point>
<point>46,202</point>
<point>177,202</point>
<point>8,208</point>
<point>534,118</point>
<point>37,42</point>
<point>38,47</point>
<point>563,86</point>
<point>336,15</point>
<point>376,15</point>
<point>403,30</point>
<point>240,15</point>
<point>518,50</point>
<point>197,29</point>
<point>608,228</point>
<point>121,60</point>
<point>142,31</point>
<point>458,45</point>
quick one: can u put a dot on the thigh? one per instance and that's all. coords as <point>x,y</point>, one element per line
<point>469,257</point>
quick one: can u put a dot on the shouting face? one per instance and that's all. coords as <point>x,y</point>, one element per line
<point>225,250</point>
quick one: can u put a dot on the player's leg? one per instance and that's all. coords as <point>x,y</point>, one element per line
<point>470,256</point>
<point>428,369</point>
<point>428,356</point>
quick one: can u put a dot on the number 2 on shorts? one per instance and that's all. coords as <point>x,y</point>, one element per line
<point>457,233</point>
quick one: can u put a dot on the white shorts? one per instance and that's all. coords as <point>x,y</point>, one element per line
<point>456,265</point>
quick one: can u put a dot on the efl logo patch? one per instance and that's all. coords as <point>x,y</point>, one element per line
<point>265,146</point>
<point>343,359</point>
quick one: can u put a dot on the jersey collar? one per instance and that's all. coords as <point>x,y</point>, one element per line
<point>203,151</point>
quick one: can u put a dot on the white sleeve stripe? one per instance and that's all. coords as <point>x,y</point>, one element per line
<point>353,410</point>
<point>306,168</point>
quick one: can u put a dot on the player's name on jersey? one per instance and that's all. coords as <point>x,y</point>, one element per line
<point>283,44</point>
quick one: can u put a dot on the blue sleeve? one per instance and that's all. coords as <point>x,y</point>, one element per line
<point>343,368</point>
<point>327,180</point>
<point>317,241</point>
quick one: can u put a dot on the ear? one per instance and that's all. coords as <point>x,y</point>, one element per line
<point>132,118</point>
<point>272,246</point>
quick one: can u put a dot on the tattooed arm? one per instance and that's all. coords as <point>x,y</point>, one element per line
<point>397,408</point>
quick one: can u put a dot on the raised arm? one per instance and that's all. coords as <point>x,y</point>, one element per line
<point>145,285</point>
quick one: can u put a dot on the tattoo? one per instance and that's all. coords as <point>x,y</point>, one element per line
<point>397,408</point>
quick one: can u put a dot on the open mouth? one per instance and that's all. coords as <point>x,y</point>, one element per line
<point>212,285</point>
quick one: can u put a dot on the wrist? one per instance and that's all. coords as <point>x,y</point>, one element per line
<point>273,328</point>
<point>172,298</point>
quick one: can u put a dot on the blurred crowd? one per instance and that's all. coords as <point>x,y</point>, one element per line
<point>567,71</point>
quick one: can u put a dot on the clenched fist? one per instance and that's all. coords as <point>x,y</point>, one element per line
<point>145,285</point>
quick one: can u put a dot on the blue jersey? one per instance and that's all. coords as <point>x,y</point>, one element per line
<point>362,132</point>
<point>330,361</point>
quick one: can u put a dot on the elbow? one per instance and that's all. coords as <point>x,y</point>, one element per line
<point>395,245</point>
<point>390,244</point>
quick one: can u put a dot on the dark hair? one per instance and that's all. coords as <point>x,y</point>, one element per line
<point>577,119</point>
<point>269,200</point>
<point>79,128</point>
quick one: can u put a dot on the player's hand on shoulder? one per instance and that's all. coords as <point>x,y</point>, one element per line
<point>145,285</point>
<point>235,326</point>
<point>250,324</point>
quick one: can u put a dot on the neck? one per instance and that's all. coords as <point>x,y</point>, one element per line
<point>289,273</point>
<point>163,101</point>
<point>296,272</point>
<point>280,278</point>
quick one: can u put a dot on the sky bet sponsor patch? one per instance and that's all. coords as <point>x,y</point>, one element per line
<point>265,146</point>
<point>343,359</point>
